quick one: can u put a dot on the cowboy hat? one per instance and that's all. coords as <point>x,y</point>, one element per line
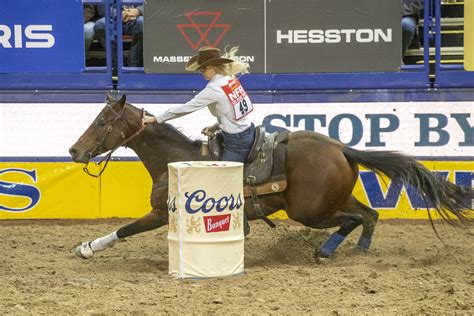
<point>206,56</point>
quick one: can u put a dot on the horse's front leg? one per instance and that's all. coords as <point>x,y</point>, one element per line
<point>155,219</point>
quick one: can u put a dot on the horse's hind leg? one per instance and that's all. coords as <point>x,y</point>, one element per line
<point>150,221</point>
<point>347,222</point>
<point>370,220</point>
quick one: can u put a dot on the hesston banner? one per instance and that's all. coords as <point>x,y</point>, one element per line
<point>277,36</point>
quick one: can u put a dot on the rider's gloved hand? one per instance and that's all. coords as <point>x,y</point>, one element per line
<point>210,131</point>
<point>148,119</point>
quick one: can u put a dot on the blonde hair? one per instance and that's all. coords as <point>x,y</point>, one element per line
<point>236,67</point>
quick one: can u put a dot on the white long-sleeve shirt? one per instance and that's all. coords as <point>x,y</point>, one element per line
<point>230,107</point>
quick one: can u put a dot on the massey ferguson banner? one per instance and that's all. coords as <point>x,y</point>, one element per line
<point>276,36</point>
<point>175,30</point>
<point>41,36</point>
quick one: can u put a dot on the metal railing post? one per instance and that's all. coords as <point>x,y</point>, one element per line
<point>437,30</point>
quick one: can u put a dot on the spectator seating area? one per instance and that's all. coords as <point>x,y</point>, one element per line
<point>445,54</point>
<point>452,34</point>
<point>95,57</point>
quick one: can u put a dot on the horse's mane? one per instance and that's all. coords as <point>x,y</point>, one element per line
<point>172,129</point>
<point>176,132</point>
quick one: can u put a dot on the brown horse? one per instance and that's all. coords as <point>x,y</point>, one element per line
<point>321,176</point>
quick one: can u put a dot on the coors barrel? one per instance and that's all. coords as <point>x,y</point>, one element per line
<point>205,208</point>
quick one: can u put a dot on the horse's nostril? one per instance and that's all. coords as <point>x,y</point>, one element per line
<point>73,152</point>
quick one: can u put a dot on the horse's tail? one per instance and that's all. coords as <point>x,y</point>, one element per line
<point>450,201</point>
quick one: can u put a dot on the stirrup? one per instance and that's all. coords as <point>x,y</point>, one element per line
<point>256,204</point>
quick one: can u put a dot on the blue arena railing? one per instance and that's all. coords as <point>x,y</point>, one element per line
<point>93,78</point>
<point>268,86</point>
<point>448,76</point>
<point>416,76</point>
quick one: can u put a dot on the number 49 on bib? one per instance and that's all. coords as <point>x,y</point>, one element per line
<point>238,98</point>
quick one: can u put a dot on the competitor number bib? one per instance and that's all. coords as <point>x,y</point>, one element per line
<point>238,98</point>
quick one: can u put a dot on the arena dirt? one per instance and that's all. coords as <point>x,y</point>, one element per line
<point>408,271</point>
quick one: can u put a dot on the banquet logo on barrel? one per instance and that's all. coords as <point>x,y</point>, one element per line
<point>198,201</point>
<point>217,223</point>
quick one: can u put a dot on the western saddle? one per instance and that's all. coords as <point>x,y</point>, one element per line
<point>264,170</point>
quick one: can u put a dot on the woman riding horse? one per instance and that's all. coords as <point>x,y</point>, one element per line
<point>226,99</point>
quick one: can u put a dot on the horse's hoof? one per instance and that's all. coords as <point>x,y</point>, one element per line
<point>246,229</point>
<point>364,243</point>
<point>84,250</point>
<point>318,255</point>
<point>322,260</point>
<point>360,250</point>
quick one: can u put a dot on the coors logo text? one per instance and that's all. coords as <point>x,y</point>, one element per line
<point>198,201</point>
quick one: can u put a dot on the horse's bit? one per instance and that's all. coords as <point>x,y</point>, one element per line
<point>99,145</point>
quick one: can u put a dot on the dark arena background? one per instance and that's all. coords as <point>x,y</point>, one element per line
<point>333,67</point>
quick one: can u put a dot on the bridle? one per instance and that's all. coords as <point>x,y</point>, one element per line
<point>106,158</point>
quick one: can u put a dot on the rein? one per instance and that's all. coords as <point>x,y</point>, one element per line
<point>107,157</point>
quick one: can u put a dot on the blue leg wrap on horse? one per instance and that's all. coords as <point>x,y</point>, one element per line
<point>331,244</point>
<point>364,243</point>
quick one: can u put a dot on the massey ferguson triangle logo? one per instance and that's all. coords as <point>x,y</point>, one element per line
<point>203,29</point>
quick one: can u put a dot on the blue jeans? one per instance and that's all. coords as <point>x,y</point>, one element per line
<point>408,32</point>
<point>135,28</point>
<point>237,146</point>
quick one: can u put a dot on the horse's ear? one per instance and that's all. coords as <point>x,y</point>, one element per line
<point>110,99</point>
<point>122,100</point>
